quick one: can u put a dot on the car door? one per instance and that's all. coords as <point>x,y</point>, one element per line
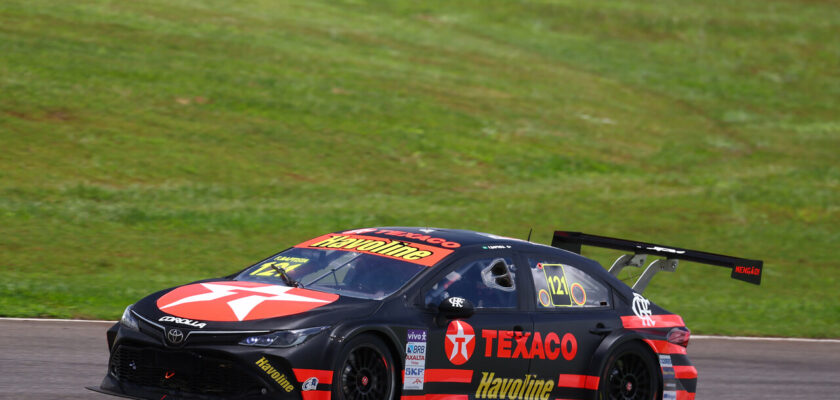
<point>475,355</point>
<point>573,311</point>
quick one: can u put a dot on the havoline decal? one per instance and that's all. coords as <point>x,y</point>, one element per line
<point>396,249</point>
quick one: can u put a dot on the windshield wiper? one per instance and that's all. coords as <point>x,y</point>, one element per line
<point>289,281</point>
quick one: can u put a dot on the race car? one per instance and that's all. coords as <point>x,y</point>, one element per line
<point>415,314</point>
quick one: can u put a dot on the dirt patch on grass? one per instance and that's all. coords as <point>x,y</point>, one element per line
<point>50,115</point>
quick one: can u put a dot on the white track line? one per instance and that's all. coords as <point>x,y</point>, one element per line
<point>693,337</point>
<point>768,339</point>
<point>57,320</point>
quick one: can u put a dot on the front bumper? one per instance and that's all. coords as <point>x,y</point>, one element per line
<point>142,365</point>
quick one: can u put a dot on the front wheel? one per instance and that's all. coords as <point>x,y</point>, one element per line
<point>632,373</point>
<point>365,371</point>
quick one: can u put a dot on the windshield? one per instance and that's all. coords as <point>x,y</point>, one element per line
<point>342,272</point>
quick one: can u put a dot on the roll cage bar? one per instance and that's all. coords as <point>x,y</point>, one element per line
<point>742,269</point>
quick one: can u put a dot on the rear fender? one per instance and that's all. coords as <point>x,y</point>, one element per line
<point>602,353</point>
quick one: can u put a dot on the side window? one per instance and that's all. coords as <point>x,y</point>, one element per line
<point>486,283</point>
<point>561,286</point>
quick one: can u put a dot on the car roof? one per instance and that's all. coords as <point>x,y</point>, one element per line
<point>461,239</point>
<point>466,241</point>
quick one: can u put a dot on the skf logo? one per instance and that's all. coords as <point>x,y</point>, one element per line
<point>529,388</point>
<point>747,270</point>
<point>460,342</point>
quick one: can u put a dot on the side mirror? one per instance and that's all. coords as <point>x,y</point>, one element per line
<point>455,308</point>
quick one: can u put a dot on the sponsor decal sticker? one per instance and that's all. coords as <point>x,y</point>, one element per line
<point>747,270</point>
<point>578,294</point>
<point>396,249</point>
<point>460,342</point>
<point>558,288</point>
<point>528,388</point>
<point>641,307</point>
<point>182,321</point>
<point>415,359</point>
<point>666,250</point>
<point>409,235</point>
<point>669,379</point>
<point>274,374</point>
<point>310,384</point>
<point>240,301</point>
<point>457,302</point>
<point>285,263</point>
<point>528,345</point>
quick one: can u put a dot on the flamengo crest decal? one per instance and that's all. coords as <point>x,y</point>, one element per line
<point>240,301</point>
<point>460,342</point>
<point>641,307</point>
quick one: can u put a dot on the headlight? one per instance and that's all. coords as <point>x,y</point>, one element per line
<point>127,319</point>
<point>283,338</point>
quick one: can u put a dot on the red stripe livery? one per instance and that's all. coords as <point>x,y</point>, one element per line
<point>659,321</point>
<point>665,347</point>
<point>685,372</point>
<point>578,381</point>
<point>316,395</point>
<point>323,376</point>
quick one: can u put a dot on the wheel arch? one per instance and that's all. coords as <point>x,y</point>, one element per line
<point>388,338</point>
<point>602,354</point>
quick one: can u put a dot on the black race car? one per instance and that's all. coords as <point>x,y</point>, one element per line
<point>414,314</point>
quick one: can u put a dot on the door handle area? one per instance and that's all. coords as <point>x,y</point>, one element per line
<point>601,329</point>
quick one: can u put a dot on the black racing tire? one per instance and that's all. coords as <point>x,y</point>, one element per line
<point>364,371</point>
<point>632,373</point>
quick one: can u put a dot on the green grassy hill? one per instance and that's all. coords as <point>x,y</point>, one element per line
<point>149,143</point>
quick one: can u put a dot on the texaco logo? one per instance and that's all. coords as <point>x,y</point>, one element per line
<point>460,342</point>
<point>175,336</point>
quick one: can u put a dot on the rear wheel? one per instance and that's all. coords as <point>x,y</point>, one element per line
<point>632,373</point>
<point>365,371</point>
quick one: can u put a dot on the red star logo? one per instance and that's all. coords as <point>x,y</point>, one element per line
<point>240,301</point>
<point>460,342</point>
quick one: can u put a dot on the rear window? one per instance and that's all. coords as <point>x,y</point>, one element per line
<point>561,286</point>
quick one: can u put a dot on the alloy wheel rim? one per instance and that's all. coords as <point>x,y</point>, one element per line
<point>365,375</point>
<point>629,379</point>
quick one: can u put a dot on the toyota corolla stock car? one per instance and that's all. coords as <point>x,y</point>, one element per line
<point>415,314</point>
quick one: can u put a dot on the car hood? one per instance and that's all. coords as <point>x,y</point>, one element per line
<point>244,305</point>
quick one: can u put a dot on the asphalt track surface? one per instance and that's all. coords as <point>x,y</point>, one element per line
<point>57,359</point>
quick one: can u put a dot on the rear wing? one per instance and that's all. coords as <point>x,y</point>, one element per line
<point>742,269</point>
